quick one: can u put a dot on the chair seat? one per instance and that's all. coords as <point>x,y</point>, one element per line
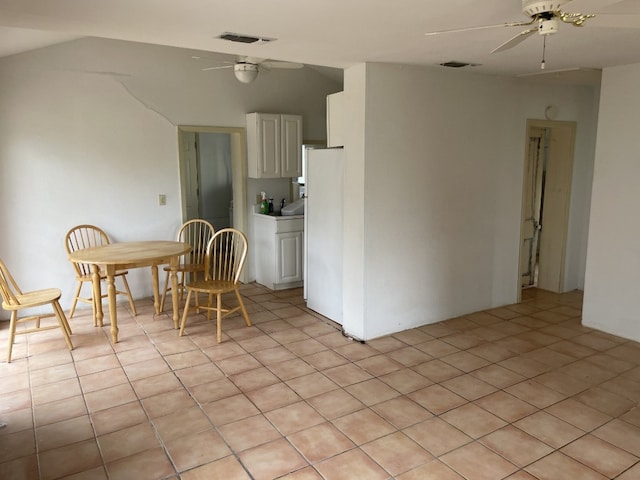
<point>34,299</point>
<point>212,286</point>
<point>186,268</point>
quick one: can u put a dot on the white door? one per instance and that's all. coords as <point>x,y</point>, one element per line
<point>532,198</point>
<point>269,145</point>
<point>288,257</point>
<point>290,145</point>
<point>323,231</point>
<point>555,208</point>
<point>554,191</point>
<point>189,176</point>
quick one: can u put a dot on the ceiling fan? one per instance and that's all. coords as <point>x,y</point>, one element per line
<point>545,18</point>
<point>246,69</point>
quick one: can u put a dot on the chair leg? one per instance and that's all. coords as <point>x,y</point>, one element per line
<point>242,309</point>
<point>62,316</point>
<point>219,317</point>
<point>64,325</point>
<point>75,300</point>
<point>12,334</point>
<point>164,291</point>
<point>181,286</point>
<point>185,313</point>
<point>209,300</point>
<point>126,288</point>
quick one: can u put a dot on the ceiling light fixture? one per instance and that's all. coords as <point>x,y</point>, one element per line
<point>245,72</point>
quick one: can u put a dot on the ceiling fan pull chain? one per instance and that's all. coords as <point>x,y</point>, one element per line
<point>544,50</point>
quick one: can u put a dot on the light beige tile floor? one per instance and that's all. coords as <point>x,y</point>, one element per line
<point>518,392</point>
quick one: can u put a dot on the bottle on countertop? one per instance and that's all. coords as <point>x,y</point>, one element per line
<point>264,205</point>
<point>271,205</point>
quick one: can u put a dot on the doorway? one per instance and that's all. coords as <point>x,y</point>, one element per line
<point>545,204</point>
<point>204,188</point>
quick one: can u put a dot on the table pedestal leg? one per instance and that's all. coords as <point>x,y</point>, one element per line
<point>111,292</point>
<point>97,295</point>
<point>156,291</point>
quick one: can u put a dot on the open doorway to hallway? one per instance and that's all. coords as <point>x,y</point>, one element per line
<point>191,174</point>
<point>545,204</point>
<point>213,175</point>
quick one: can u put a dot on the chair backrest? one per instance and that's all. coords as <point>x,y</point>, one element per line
<point>226,253</point>
<point>84,236</point>
<point>8,286</point>
<point>196,233</point>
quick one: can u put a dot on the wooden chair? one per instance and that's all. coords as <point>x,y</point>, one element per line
<point>14,299</point>
<point>196,233</point>
<point>225,256</point>
<point>87,236</point>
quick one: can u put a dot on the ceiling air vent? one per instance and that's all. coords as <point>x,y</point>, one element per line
<point>238,37</point>
<point>455,64</point>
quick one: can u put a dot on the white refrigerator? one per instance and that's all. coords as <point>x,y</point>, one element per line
<point>324,179</point>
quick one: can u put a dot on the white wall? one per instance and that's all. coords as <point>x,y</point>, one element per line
<point>613,261</point>
<point>88,134</point>
<point>442,155</point>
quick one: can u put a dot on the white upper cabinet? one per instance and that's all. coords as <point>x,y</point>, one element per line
<point>335,120</point>
<point>274,145</point>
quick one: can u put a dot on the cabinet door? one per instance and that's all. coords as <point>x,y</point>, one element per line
<point>291,145</point>
<point>289,257</point>
<point>269,145</point>
<point>263,145</point>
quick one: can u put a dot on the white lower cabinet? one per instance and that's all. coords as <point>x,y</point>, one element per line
<point>288,258</point>
<point>279,251</point>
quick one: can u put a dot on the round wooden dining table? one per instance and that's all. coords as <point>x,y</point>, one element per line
<point>126,255</point>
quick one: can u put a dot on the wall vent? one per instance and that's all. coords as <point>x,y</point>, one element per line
<point>456,64</point>
<point>240,38</point>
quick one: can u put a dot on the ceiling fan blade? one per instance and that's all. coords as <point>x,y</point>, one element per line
<point>245,59</point>
<point>577,75</point>
<point>217,68</point>
<point>275,64</point>
<point>483,27</point>
<point>512,42</point>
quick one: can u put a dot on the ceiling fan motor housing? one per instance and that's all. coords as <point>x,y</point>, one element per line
<point>536,7</point>
<point>245,72</point>
<point>548,27</point>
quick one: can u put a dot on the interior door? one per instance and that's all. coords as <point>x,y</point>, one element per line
<point>555,217</point>
<point>532,201</point>
<point>546,187</point>
<point>189,176</point>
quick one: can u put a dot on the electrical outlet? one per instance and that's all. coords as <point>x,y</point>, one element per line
<point>162,199</point>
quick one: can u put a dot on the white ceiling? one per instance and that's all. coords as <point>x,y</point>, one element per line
<point>338,33</point>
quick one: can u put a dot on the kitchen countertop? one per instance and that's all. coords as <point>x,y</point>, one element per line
<point>277,217</point>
